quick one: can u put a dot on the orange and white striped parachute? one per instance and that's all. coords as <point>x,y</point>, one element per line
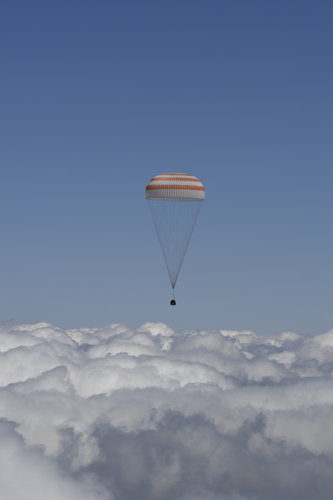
<point>176,187</point>
<point>175,200</point>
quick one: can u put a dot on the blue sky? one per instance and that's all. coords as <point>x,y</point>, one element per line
<point>97,97</point>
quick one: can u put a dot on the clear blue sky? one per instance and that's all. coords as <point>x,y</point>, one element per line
<point>99,96</point>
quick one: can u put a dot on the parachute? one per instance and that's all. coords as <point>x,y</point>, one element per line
<point>174,200</point>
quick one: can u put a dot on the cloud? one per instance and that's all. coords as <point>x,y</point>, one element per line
<point>25,472</point>
<point>153,414</point>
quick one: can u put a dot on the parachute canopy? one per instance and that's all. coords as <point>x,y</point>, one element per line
<point>182,187</point>
<point>174,200</point>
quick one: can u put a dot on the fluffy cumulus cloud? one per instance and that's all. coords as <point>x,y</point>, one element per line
<point>153,414</point>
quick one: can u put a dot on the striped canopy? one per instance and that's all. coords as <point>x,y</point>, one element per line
<point>182,187</point>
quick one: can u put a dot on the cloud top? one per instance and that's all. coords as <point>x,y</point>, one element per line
<point>150,413</point>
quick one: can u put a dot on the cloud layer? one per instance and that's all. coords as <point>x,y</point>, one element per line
<point>153,414</point>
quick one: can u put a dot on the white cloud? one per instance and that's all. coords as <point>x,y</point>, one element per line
<point>156,414</point>
<point>25,472</point>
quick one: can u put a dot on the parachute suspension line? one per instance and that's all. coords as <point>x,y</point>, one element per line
<point>174,221</point>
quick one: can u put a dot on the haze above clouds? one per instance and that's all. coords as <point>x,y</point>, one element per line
<point>116,413</point>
